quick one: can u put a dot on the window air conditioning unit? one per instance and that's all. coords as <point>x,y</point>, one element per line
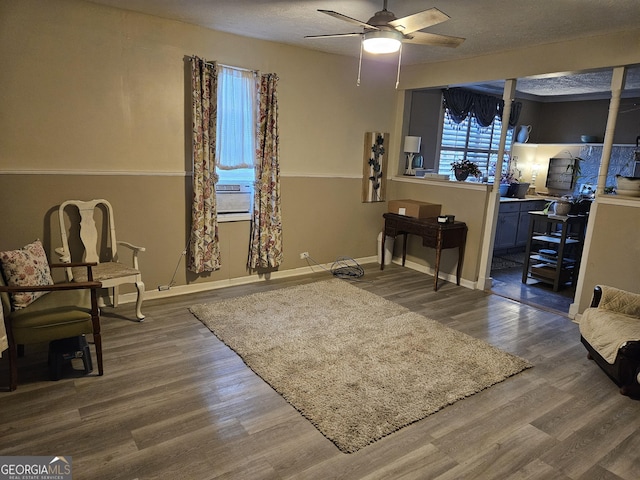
<point>234,198</point>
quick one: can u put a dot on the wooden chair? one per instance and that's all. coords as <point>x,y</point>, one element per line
<point>101,249</point>
<point>70,309</point>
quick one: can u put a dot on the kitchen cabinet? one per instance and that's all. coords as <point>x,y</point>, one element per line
<point>523,222</point>
<point>554,248</point>
<point>513,223</point>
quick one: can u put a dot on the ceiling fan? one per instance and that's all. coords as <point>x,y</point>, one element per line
<point>384,33</point>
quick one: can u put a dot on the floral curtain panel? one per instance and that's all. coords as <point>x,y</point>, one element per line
<point>204,248</point>
<point>265,249</point>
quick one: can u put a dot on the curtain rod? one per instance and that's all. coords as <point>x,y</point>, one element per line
<point>223,65</point>
<point>238,68</point>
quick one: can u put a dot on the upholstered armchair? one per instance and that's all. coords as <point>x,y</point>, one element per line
<point>35,310</point>
<point>610,331</point>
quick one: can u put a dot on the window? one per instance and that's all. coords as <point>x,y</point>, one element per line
<point>470,141</point>
<point>236,127</point>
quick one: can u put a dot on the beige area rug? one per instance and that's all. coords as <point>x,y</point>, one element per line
<point>356,365</point>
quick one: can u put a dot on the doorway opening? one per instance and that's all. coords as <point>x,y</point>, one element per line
<point>506,274</point>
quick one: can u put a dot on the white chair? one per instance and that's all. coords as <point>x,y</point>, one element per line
<point>102,249</point>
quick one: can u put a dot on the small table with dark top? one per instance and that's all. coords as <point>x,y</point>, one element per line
<point>434,235</point>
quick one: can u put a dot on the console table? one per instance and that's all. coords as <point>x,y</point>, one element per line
<point>434,235</point>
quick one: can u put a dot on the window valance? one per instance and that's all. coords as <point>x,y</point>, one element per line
<point>461,103</point>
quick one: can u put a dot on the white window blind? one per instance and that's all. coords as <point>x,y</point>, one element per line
<point>470,141</point>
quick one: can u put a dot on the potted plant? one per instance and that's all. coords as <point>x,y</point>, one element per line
<point>506,179</point>
<point>560,206</point>
<point>463,168</point>
<point>570,205</point>
<point>628,186</point>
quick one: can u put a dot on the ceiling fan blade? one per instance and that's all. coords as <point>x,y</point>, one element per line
<point>340,16</point>
<point>434,39</point>
<point>334,35</point>
<point>418,21</point>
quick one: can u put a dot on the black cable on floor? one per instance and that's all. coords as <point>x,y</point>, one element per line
<point>346,267</point>
<point>343,267</point>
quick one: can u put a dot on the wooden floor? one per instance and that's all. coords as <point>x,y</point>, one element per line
<point>508,283</point>
<point>175,403</point>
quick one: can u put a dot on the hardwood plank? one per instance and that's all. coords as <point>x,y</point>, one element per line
<point>175,402</point>
<point>583,449</point>
<point>537,470</point>
<point>499,423</point>
<point>624,460</point>
<point>499,460</point>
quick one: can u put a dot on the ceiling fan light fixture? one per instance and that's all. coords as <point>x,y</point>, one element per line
<point>382,41</point>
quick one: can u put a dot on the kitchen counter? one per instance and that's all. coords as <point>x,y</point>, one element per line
<point>527,198</point>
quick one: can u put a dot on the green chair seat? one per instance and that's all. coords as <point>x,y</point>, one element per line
<point>53,315</point>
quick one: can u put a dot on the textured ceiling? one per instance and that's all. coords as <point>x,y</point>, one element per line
<point>489,26</point>
<point>569,86</point>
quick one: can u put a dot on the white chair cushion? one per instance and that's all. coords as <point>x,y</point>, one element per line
<point>607,331</point>
<point>104,271</point>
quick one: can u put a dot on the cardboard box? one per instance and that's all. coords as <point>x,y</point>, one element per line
<point>414,208</point>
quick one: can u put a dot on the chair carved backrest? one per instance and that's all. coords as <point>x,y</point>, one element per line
<point>88,231</point>
<point>97,243</point>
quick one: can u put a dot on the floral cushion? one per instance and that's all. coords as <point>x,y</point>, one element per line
<point>27,266</point>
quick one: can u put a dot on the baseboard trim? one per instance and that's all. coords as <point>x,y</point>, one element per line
<point>574,312</point>
<point>253,278</point>
<point>451,278</point>
<point>294,272</point>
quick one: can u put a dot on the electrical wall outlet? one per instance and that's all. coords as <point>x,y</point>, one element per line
<point>304,255</point>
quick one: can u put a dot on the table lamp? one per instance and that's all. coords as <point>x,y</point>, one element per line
<point>412,150</point>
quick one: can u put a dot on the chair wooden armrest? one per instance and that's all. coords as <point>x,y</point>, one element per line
<point>51,288</point>
<point>57,286</point>
<point>597,296</point>
<point>74,264</point>
<point>70,265</point>
<point>133,247</point>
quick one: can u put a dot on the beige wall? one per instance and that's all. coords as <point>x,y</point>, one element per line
<point>149,211</point>
<point>93,105</point>
<point>468,204</point>
<point>614,252</point>
<point>94,88</point>
<point>322,216</point>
